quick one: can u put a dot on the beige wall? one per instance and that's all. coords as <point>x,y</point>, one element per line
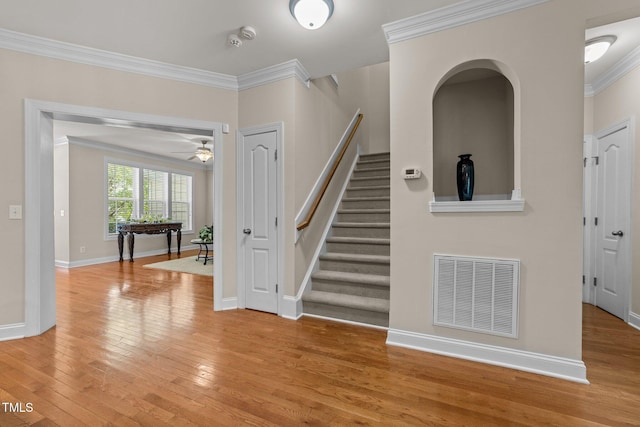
<point>614,104</point>
<point>588,115</point>
<point>474,117</point>
<point>367,88</point>
<point>29,76</point>
<point>549,101</point>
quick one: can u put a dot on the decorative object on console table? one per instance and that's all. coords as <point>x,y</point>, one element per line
<point>465,178</point>
<point>132,228</point>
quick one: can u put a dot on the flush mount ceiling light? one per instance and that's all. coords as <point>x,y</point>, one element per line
<point>311,14</point>
<point>596,47</point>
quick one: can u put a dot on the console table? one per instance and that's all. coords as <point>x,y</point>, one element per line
<point>147,228</point>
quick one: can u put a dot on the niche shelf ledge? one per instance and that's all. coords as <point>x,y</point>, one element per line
<point>515,204</point>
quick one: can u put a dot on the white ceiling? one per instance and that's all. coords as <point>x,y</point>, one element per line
<point>193,33</point>
<point>167,144</point>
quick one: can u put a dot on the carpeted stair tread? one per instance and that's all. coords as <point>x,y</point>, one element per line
<point>372,259</point>
<point>366,198</point>
<point>359,240</point>
<point>362,210</point>
<point>350,301</point>
<point>340,276</point>
<point>373,164</point>
<point>371,187</point>
<point>384,154</point>
<point>380,169</point>
<point>370,178</point>
<point>362,224</point>
<point>365,161</point>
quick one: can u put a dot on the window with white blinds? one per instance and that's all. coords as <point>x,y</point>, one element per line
<point>122,188</point>
<point>136,192</point>
<point>155,194</point>
<point>181,192</point>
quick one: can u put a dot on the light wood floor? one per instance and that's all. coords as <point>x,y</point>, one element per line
<point>136,346</point>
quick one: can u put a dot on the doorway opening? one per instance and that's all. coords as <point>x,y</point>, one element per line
<point>40,288</point>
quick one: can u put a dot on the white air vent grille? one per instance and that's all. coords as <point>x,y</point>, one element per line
<point>478,294</point>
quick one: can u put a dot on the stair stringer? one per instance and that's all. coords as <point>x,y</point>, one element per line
<point>292,306</point>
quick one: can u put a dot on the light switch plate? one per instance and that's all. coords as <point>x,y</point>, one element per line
<point>15,211</point>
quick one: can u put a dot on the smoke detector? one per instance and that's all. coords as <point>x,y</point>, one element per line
<point>248,32</point>
<point>234,40</point>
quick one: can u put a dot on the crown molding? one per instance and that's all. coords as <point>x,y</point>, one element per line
<point>615,73</point>
<point>89,56</point>
<point>285,70</point>
<point>588,90</point>
<point>451,16</point>
<point>85,55</point>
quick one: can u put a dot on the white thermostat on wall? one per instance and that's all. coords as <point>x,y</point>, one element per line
<point>411,173</point>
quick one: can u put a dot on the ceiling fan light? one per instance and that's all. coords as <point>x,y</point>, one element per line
<point>311,14</point>
<point>204,155</point>
<point>595,48</point>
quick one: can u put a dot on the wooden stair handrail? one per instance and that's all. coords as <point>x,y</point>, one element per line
<point>307,220</point>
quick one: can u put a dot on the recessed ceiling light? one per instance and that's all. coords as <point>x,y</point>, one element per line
<point>595,48</point>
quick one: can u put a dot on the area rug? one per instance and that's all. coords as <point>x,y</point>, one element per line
<point>185,265</point>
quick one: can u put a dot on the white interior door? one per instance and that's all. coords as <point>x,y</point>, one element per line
<point>259,222</point>
<point>613,260</point>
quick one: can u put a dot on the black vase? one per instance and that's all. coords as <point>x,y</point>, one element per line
<point>465,177</point>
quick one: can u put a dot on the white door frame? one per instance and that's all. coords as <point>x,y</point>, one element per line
<point>40,288</point>
<point>591,205</point>
<point>589,208</point>
<point>241,135</point>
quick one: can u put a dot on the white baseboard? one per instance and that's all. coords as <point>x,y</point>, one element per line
<point>543,364</point>
<point>291,307</point>
<point>348,322</point>
<point>12,332</point>
<point>634,320</point>
<point>229,303</point>
<point>113,258</point>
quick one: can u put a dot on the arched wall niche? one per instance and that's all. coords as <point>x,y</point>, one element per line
<point>476,111</point>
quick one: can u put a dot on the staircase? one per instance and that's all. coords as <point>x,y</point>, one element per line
<point>352,281</point>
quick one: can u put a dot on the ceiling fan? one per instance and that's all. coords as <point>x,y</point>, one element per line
<point>203,153</point>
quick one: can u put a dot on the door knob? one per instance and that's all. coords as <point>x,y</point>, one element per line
<point>247,231</point>
<point>618,233</point>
